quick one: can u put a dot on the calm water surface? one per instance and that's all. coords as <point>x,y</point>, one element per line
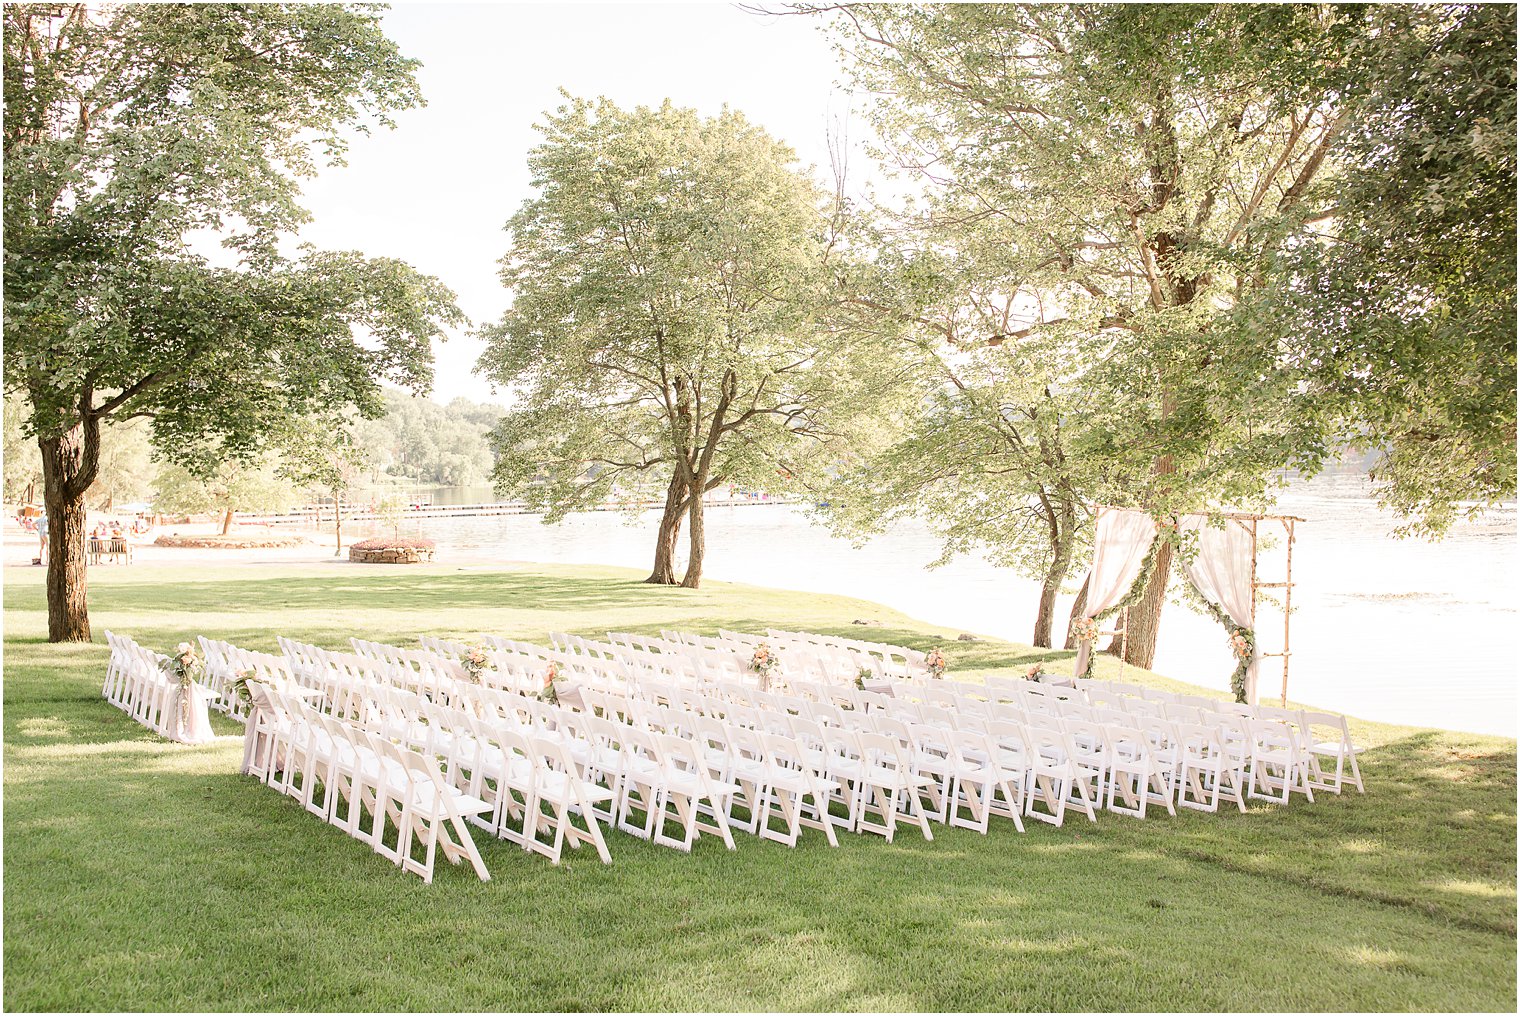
<point>1398,630</point>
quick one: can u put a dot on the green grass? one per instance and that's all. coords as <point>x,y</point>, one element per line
<point>145,875</point>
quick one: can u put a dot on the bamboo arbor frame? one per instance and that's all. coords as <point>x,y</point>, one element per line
<point>1251,523</point>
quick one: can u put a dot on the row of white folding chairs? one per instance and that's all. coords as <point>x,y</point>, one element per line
<point>455,731</point>
<point>843,662</point>
<point>1271,753</point>
<point>225,662</point>
<point>400,715</point>
<point>768,789</point>
<point>1284,762</point>
<point>896,660</point>
<point>950,781</point>
<point>946,784</point>
<point>794,659</point>
<point>521,666</point>
<point>712,659</point>
<point>367,782</point>
<point>581,666</point>
<point>135,682</point>
<point>937,730</point>
<point>1275,754</point>
<point>509,784</point>
<point>1322,740</point>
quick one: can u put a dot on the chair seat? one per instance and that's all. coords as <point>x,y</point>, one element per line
<point>881,776</point>
<point>556,787</point>
<point>750,770</point>
<point>424,798</point>
<point>690,785</point>
<point>1334,748</point>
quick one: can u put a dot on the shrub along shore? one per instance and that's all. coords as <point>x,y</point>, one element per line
<point>147,875</point>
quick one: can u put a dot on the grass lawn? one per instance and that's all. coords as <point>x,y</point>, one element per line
<point>146,875</point>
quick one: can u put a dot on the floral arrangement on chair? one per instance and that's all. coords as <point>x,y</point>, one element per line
<point>935,662</point>
<point>237,688</point>
<point>862,676</point>
<point>474,662</point>
<point>184,666</point>
<point>1035,672</point>
<point>549,694</point>
<point>763,662</point>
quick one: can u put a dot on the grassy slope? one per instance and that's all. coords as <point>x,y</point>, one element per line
<point>141,874</point>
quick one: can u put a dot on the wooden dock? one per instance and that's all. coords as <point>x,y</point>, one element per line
<point>359,512</point>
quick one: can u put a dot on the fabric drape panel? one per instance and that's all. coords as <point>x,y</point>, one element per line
<point>188,718</point>
<point>1120,544</point>
<point>1221,572</point>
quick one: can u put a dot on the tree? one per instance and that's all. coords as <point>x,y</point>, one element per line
<point>233,487</point>
<point>23,463</point>
<point>669,330</point>
<point>428,442</point>
<point>325,462</point>
<point>126,469</point>
<point>1124,173</point>
<point>127,128</point>
<point>1401,312</point>
<point>981,453</point>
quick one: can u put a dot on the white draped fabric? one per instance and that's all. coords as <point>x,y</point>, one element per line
<point>1221,572</point>
<point>1123,536</point>
<point>189,723</point>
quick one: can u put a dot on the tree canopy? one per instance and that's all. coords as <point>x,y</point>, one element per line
<point>669,331</point>
<point>1400,313</point>
<point>127,129</point>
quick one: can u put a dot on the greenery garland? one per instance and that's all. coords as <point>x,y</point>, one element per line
<point>1135,595</point>
<point>1244,652</point>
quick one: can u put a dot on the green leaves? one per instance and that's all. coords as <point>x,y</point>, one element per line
<point>127,127</point>
<point>1400,315</point>
<point>672,290</point>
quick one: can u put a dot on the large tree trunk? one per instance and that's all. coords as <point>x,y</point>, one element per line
<point>696,534</point>
<point>1078,609</point>
<point>1144,622</point>
<point>338,524</point>
<point>664,573</point>
<point>1062,522</point>
<point>227,522</point>
<point>69,464</point>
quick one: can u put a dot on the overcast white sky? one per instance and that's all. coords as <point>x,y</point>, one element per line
<point>437,190</point>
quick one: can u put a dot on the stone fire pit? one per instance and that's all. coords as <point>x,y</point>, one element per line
<point>403,550</point>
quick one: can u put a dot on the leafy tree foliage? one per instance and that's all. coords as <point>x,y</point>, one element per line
<point>429,442</point>
<point>1401,312</point>
<point>669,330</point>
<point>1109,181</point>
<point>126,468</point>
<point>232,487</point>
<point>126,128</point>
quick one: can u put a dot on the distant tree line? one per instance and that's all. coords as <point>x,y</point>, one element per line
<point>417,439</point>
<point>429,442</point>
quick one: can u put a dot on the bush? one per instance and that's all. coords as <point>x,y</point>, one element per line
<point>393,543</point>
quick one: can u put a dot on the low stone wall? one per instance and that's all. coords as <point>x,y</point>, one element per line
<point>232,541</point>
<point>391,555</point>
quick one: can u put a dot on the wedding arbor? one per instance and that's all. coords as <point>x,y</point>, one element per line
<point>1219,555</point>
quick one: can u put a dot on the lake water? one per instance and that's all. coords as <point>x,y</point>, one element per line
<point>1400,630</point>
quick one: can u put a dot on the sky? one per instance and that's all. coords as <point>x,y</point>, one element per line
<point>436,191</point>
